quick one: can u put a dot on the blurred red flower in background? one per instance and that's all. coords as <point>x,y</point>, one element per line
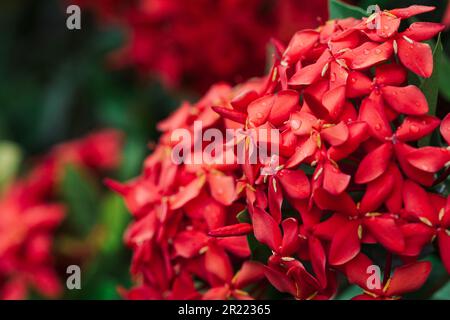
<point>30,212</point>
<point>197,43</point>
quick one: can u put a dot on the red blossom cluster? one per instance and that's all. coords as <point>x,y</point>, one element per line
<point>30,212</point>
<point>197,43</point>
<point>350,175</point>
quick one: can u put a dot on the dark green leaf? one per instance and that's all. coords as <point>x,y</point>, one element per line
<point>430,86</point>
<point>82,197</point>
<point>340,10</point>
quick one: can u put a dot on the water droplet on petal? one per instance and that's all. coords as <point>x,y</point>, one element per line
<point>353,80</point>
<point>414,129</point>
<point>295,124</point>
<point>377,51</point>
<point>259,115</point>
<point>366,51</point>
<point>378,127</point>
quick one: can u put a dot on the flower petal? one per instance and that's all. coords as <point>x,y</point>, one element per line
<point>335,182</point>
<point>444,248</point>
<point>411,11</point>
<point>266,229</point>
<point>414,128</point>
<point>345,244</point>
<point>416,56</point>
<point>386,232</point>
<point>336,134</point>
<point>408,278</point>
<point>295,183</point>
<point>374,164</point>
<point>429,159</point>
<point>407,100</point>
<point>421,31</point>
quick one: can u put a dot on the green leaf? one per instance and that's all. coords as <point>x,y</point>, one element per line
<point>340,10</point>
<point>114,218</point>
<point>444,77</point>
<point>82,197</point>
<point>349,292</point>
<point>10,159</point>
<point>243,216</point>
<point>260,252</point>
<point>430,86</point>
<point>443,293</point>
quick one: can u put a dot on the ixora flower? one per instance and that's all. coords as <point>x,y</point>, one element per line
<point>349,174</point>
<point>30,212</point>
<point>196,43</point>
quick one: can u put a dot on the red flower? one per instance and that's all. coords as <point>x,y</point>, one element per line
<point>30,213</point>
<point>349,173</point>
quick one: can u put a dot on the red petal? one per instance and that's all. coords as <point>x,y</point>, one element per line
<point>391,74</point>
<point>429,159</point>
<point>275,199</point>
<point>388,25</point>
<point>358,132</point>
<point>411,11</point>
<point>327,228</point>
<point>242,100</point>
<point>290,236</point>
<point>233,230</point>
<point>280,281</point>
<point>311,73</point>
<point>407,100</point>
<point>423,177</point>
<point>295,183</point>
<point>445,128</point>
<point>187,244</point>
<point>286,102</point>
<point>230,114</point>
<point>301,123</point>
<point>444,248</point>
<point>372,112</point>
<point>386,232</point>
<point>378,190</point>
<point>342,203</point>
<point>358,84</point>
<point>187,193</point>
<point>421,31</point>
<point>266,229</point>
<point>300,44</point>
<point>333,100</point>
<point>418,202</point>
<point>335,182</point>
<point>356,270</point>
<point>222,188</point>
<point>408,278</point>
<point>259,110</point>
<point>335,135</point>
<point>318,260</point>
<point>374,164</point>
<point>307,149</point>
<point>346,244</point>
<point>416,56</point>
<point>218,263</point>
<point>415,128</point>
<point>416,235</point>
<point>251,272</point>
<point>371,57</point>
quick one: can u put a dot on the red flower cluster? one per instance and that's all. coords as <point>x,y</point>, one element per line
<point>30,213</point>
<point>350,174</point>
<point>196,43</point>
